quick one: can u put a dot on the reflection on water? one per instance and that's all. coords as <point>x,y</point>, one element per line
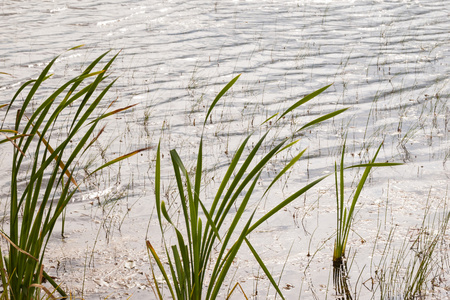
<point>341,282</point>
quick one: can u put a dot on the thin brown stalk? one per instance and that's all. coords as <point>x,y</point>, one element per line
<point>50,149</point>
<point>40,286</point>
<point>12,142</point>
<point>17,247</point>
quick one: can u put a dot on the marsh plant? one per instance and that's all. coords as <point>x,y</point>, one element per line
<point>345,215</point>
<point>344,220</point>
<point>44,169</point>
<point>209,236</point>
<point>413,269</point>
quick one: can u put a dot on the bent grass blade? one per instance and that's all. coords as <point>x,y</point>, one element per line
<point>221,93</point>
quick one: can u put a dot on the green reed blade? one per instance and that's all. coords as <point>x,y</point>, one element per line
<point>158,184</point>
<point>323,118</point>
<point>187,262</point>
<point>210,221</point>
<point>259,166</point>
<point>228,174</point>
<point>285,202</point>
<point>195,234</point>
<point>76,47</point>
<point>178,274</point>
<point>232,194</point>
<point>217,284</point>
<point>288,146</point>
<point>387,164</point>
<point>176,163</point>
<point>42,77</point>
<point>193,210</point>
<point>232,227</point>
<point>285,169</point>
<point>221,93</point>
<point>198,174</point>
<point>161,268</point>
<point>304,100</point>
<point>344,215</point>
<point>208,238</point>
<point>165,213</point>
<point>263,266</point>
<point>120,158</point>
<point>270,118</point>
<point>193,237</point>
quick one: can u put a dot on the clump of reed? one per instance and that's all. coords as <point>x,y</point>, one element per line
<point>344,215</point>
<point>44,169</point>
<point>344,220</point>
<point>194,270</point>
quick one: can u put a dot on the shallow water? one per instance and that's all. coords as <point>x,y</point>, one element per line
<point>388,61</point>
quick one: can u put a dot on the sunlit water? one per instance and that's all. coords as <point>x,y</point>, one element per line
<point>387,60</point>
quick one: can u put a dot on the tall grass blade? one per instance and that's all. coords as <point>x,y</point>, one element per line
<point>263,266</point>
<point>304,100</point>
<point>323,118</point>
<point>285,202</point>
<point>229,260</point>
<point>221,93</point>
<point>161,268</point>
<point>77,47</point>
<point>285,169</point>
<point>120,158</point>
<point>270,118</point>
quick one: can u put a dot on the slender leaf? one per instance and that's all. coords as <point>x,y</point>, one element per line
<point>120,158</point>
<point>263,266</point>
<point>323,118</point>
<point>285,202</point>
<point>222,92</point>
<point>161,268</point>
<point>285,169</point>
<point>304,100</point>
<point>270,118</point>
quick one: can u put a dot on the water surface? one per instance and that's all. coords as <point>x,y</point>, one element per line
<point>387,60</point>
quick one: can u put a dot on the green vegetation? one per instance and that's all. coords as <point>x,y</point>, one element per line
<point>344,216</point>
<point>208,233</point>
<point>205,228</point>
<point>409,268</point>
<point>43,177</point>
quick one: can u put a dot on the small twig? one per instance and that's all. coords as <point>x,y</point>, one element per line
<point>235,286</point>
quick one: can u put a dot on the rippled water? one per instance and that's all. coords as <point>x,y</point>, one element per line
<point>388,61</point>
